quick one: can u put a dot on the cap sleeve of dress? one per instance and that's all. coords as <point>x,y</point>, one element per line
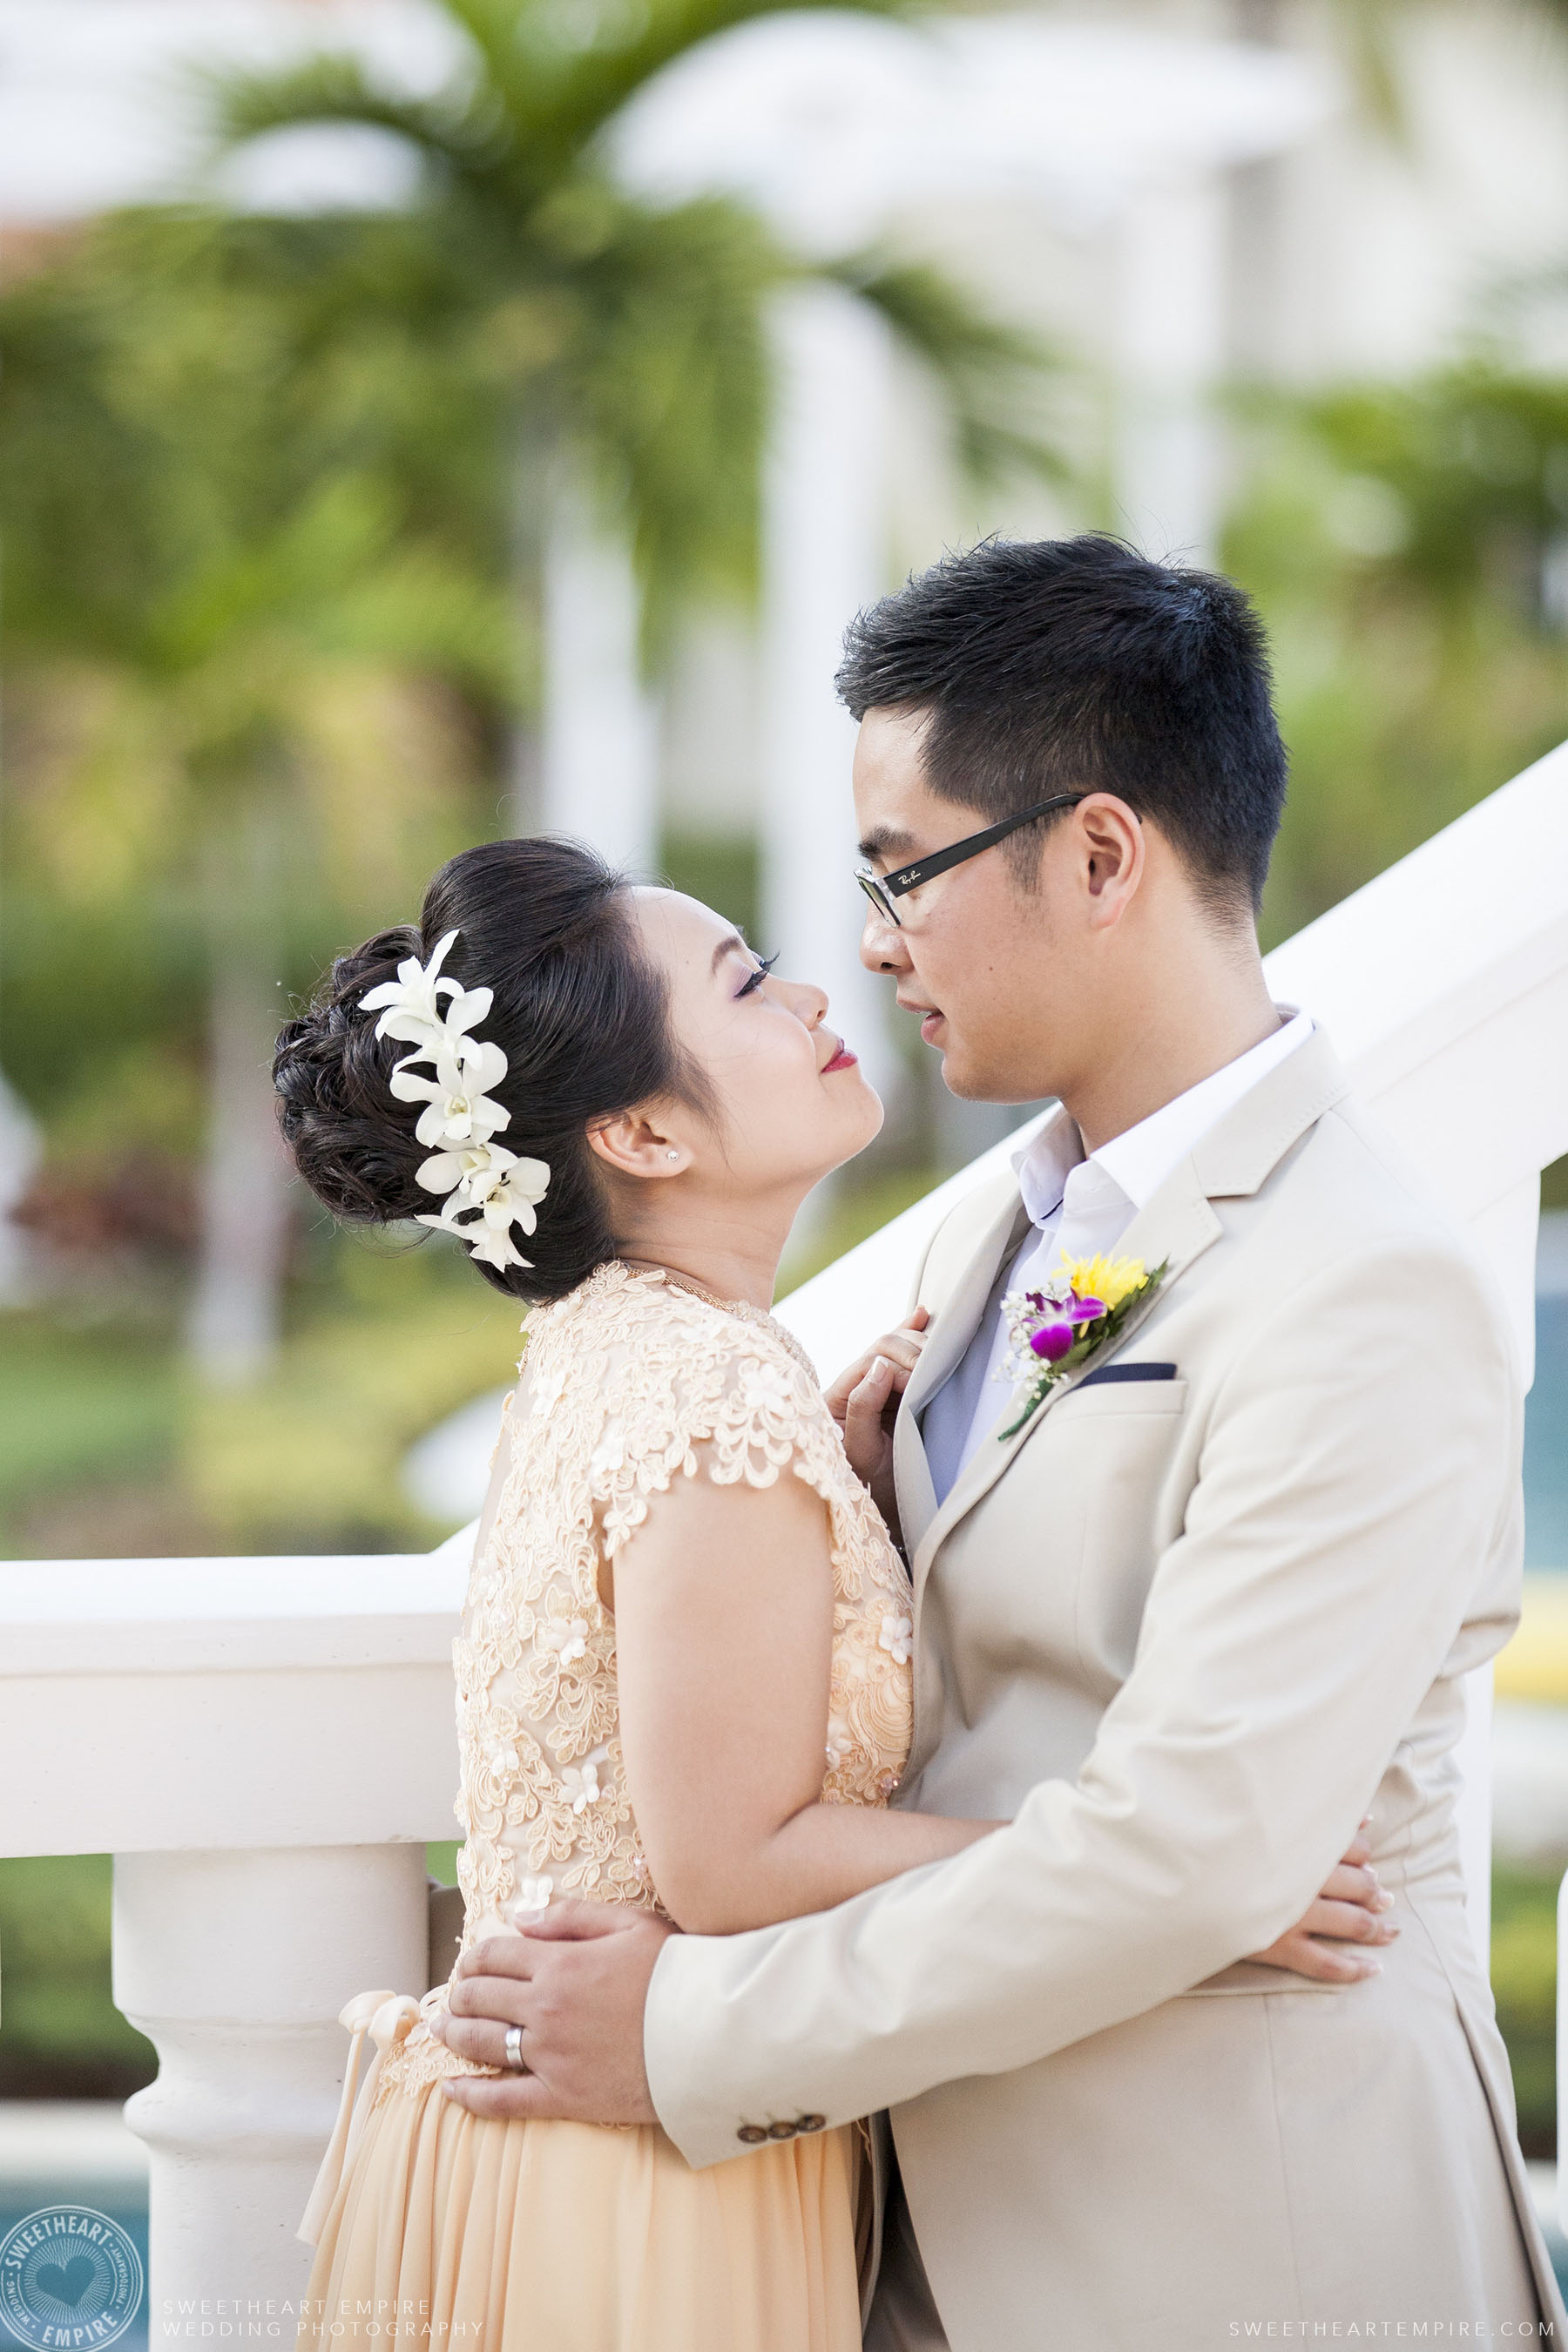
<point>695,1392</point>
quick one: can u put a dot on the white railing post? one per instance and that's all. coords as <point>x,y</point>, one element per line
<point>235,1964</point>
<point>263,1746</point>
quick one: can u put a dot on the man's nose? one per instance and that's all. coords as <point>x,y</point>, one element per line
<point>881,945</point>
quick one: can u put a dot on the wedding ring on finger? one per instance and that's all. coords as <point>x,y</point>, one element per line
<point>514,2057</point>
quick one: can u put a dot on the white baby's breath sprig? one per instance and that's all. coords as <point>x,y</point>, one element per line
<point>488,1189</point>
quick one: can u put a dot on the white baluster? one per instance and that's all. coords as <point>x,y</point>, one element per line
<point>235,1964</point>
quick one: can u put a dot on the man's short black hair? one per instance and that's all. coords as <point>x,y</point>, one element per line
<point>1062,665</point>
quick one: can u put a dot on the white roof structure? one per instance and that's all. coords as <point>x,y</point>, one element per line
<point>830,123</point>
<point>827,121</point>
<point>100,99</point>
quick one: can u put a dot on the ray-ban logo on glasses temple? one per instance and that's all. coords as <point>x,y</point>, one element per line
<point>883,889</point>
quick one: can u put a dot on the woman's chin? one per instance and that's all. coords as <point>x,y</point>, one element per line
<point>871,1114</point>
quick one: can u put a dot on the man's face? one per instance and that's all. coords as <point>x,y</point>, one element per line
<point>992,966</point>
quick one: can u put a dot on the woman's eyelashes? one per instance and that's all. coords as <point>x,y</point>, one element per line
<point>764,965</point>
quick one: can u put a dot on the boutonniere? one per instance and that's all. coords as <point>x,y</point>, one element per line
<point>1053,1330</point>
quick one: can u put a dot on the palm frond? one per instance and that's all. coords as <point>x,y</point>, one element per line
<point>584,59</point>
<point>1367,32</point>
<point>994,375</point>
<point>457,126</point>
<point>666,390</point>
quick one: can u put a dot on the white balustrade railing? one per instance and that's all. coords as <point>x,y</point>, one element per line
<point>265,1745</point>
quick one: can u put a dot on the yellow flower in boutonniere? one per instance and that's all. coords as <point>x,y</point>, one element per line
<point>1055,1330</point>
<point>1111,1280</point>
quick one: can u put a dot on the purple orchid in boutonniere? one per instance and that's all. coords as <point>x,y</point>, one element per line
<point>1052,1330</point>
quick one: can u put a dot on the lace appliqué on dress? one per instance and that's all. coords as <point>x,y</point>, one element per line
<point>628,1383</point>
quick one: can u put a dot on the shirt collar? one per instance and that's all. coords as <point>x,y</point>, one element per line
<point>1138,1161</point>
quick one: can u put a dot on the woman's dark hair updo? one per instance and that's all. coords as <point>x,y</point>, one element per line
<point>580,1012</point>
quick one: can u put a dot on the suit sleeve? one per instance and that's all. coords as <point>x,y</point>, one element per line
<point>1358,1477</point>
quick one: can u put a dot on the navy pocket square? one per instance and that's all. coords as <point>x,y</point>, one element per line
<point>1108,1372</point>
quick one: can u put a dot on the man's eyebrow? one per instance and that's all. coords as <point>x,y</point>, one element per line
<point>726,947</point>
<point>887,841</point>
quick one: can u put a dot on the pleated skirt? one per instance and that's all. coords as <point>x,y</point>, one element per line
<point>457,2230</point>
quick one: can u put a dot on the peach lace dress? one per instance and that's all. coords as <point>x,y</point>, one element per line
<point>521,2236</point>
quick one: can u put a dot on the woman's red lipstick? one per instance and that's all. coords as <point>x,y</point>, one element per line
<point>843,1060</point>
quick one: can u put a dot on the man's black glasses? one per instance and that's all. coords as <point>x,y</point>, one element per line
<point>883,889</point>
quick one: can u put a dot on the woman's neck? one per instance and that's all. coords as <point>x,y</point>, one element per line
<point>729,1258</point>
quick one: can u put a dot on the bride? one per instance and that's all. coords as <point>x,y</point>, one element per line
<point>683,1673</point>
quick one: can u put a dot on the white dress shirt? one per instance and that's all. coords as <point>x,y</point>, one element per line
<point>1077,1206</point>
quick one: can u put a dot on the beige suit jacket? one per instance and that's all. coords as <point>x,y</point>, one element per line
<point>1182,1632</point>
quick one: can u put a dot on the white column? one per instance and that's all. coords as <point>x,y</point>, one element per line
<point>600,749</point>
<point>21,1150</point>
<point>235,1964</point>
<point>1171,332</point>
<point>823,557</point>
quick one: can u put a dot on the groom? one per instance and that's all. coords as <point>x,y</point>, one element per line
<point>1206,1608</point>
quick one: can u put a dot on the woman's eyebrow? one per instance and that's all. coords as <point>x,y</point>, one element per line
<point>726,947</point>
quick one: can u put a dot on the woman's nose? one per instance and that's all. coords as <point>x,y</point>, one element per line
<point>805,1001</point>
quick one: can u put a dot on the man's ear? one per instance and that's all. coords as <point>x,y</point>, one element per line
<point>635,1143</point>
<point>1111,855</point>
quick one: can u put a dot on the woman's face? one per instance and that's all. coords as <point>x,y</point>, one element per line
<point>790,1099</point>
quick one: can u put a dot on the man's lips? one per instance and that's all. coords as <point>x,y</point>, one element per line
<point>930,1017</point>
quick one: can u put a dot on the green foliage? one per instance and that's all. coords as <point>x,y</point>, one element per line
<point>1407,546</point>
<point>78,1407</point>
<point>257,610</point>
<point>996,376</point>
<point>1524,1980</point>
<point>108,1447</point>
<point>307,1459</point>
<point>635,332</point>
<point>209,427</point>
<point>61,2036</point>
<point>723,872</point>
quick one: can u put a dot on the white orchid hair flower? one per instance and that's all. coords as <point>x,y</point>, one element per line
<point>488,1189</point>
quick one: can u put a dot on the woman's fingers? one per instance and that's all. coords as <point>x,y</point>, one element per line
<point>901,1349</point>
<point>1348,1923</point>
<point>1347,1882</point>
<point>865,1438</point>
<point>1327,1963</point>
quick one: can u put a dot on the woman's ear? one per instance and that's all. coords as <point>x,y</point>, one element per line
<point>635,1143</point>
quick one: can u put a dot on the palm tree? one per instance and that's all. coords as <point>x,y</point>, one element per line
<point>240,453</point>
<point>232,522</point>
<point>633,331</point>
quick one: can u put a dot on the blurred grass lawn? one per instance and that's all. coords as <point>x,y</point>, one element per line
<point>110,1448</point>
<point>60,2036</point>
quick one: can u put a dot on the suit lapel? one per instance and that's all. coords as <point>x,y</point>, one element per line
<point>1176,1225</point>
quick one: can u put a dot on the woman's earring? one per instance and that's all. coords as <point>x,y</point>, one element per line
<point>672,1155</point>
